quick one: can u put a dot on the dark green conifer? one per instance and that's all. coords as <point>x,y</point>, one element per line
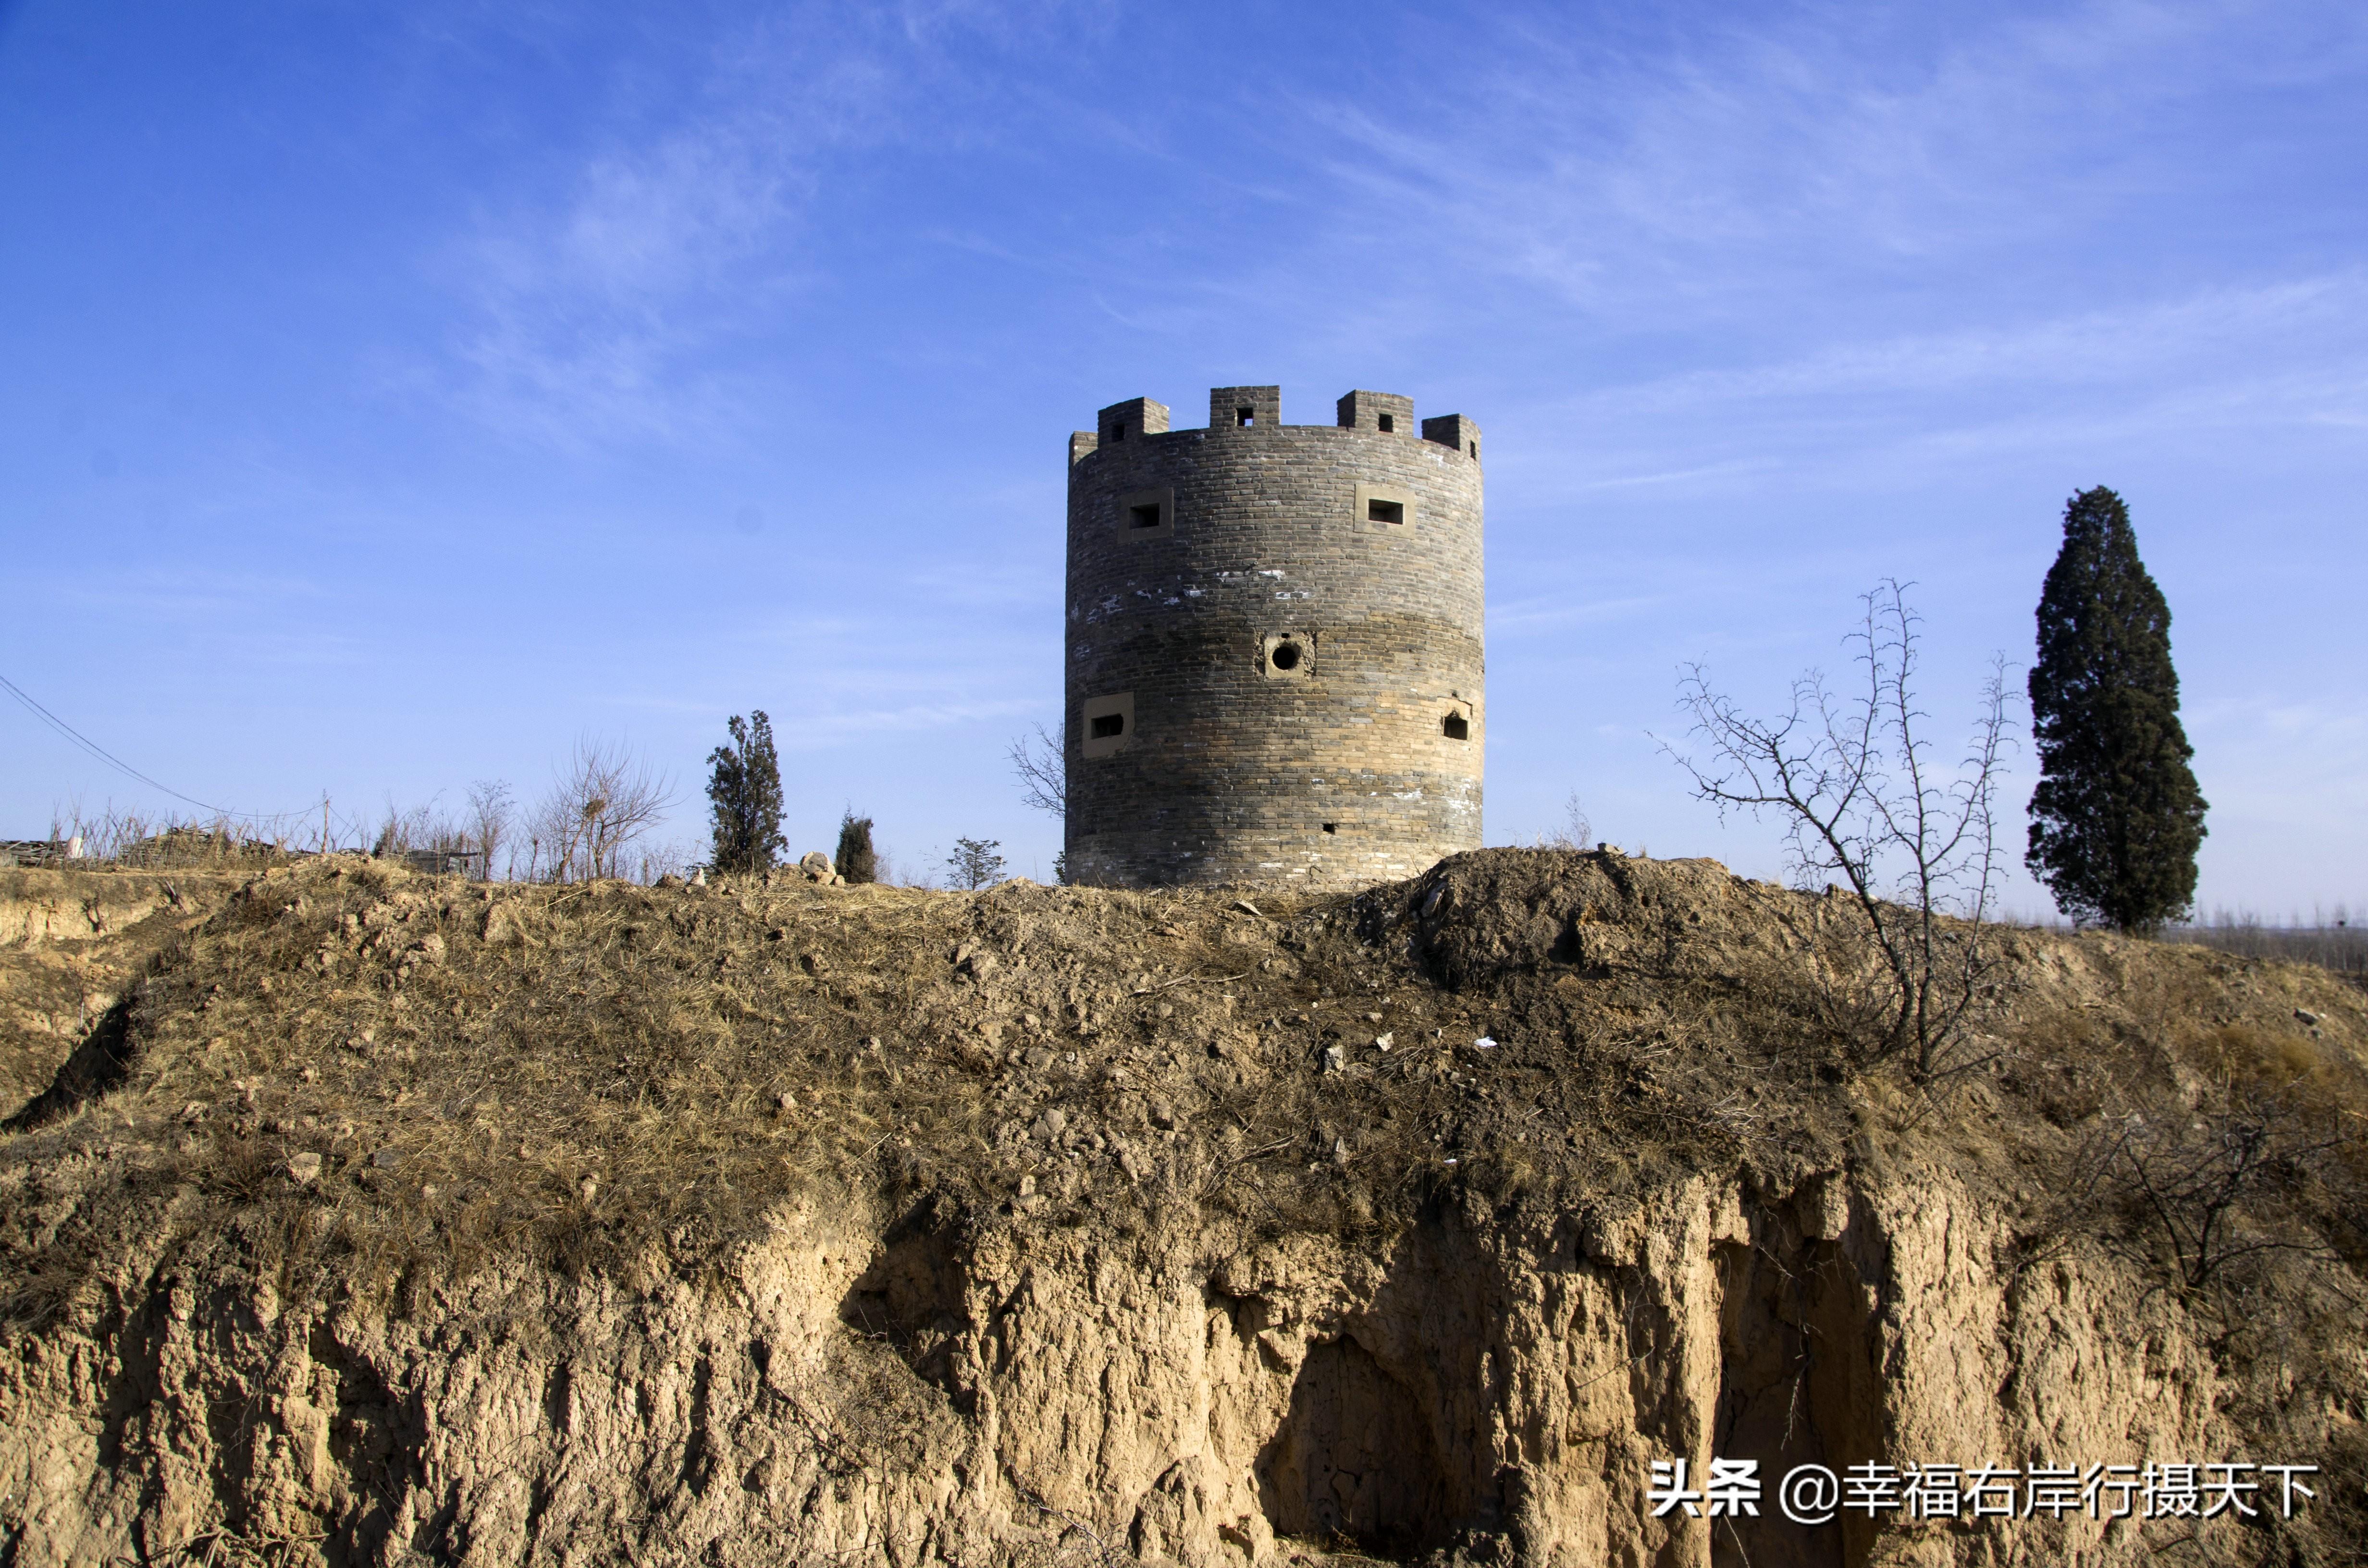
<point>855,859</point>
<point>747,789</point>
<point>2117,817</point>
<point>976,864</point>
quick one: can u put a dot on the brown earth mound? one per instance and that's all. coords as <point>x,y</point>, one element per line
<point>387,1218</point>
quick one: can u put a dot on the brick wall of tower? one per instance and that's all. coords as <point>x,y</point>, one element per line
<point>1231,767</point>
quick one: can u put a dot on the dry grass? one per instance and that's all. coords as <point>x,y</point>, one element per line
<point>620,1077</point>
<point>2204,1124</point>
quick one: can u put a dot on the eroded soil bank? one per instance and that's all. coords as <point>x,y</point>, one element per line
<point>69,942</point>
<point>417,1221</point>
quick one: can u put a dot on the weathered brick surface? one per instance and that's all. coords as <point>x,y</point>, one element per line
<point>1232,770</point>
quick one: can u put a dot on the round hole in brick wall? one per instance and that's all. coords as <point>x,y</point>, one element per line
<point>1286,655</point>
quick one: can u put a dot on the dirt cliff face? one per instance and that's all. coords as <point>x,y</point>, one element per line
<point>69,941</point>
<point>1041,1225</point>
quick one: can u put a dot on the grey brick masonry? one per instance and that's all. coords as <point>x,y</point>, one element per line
<point>1275,662</point>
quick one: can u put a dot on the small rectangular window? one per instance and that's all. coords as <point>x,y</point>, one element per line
<point>1245,417</point>
<point>1107,724</point>
<point>1384,509</point>
<point>1138,514</point>
<point>1457,727</point>
<point>1331,827</point>
<point>1389,424</point>
<point>1118,432</point>
<point>1475,448</point>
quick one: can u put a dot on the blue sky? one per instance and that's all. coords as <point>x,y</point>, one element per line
<point>391,395</point>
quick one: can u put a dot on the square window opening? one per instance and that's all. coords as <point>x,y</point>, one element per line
<point>1457,727</point>
<point>1245,417</point>
<point>1106,725</point>
<point>1118,433</point>
<point>1331,827</point>
<point>1381,511</point>
<point>1389,424</point>
<point>1144,514</point>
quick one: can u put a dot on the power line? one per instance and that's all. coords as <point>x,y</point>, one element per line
<point>108,757</point>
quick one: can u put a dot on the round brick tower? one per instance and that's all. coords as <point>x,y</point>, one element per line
<point>1275,667</point>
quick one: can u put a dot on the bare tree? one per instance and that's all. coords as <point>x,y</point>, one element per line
<point>2204,1184</point>
<point>1043,781</point>
<point>490,811</point>
<point>427,839</point>
<point>1576,832</point>
<point>401,832</point>
<point>1862,798</point>
<point>605,801</point>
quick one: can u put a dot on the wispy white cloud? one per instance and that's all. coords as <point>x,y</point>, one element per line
<point>600,310</point>
<point>2144,338</point>
<point>1805,170</point>
<point>1556,612</point>
<point>1871,410</point>
<point>589,313</point>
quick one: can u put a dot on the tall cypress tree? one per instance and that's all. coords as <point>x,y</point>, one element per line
<point>745,785</point>
<point>2117,818</point>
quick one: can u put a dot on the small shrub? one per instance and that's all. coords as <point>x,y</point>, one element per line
<point>857,861</point>
<point>975,863</point>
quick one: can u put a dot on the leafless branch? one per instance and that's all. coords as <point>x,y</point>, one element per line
<point>1861,800</point>
<point>1043,781</point>
<point>605,801</point>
